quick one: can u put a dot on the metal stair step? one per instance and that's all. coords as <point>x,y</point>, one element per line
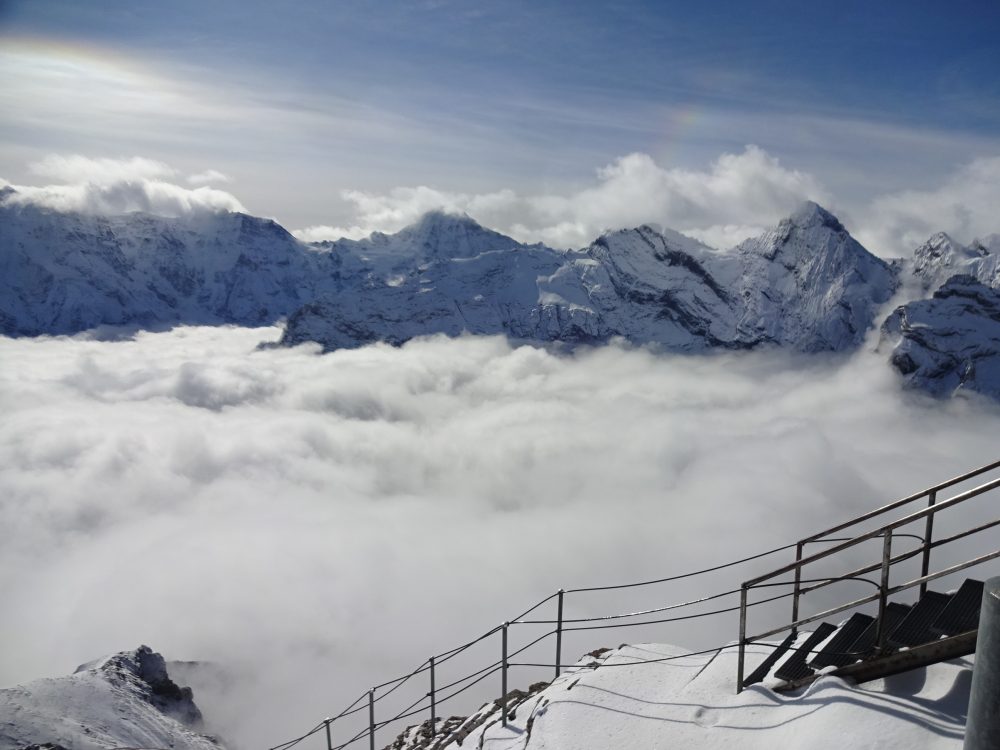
<point>894,613</point>
<point>962,613</point>
<point>765,666</point>
<point>915,628</point>
<point>795,666</point>
<point>837,652</point>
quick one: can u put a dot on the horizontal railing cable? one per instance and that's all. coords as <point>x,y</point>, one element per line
<point>681,618</point>
<point>681,576</point>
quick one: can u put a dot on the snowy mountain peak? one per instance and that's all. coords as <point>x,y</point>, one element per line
<point>941,257</point>
<point>441,234</point>
<point>811,214</point>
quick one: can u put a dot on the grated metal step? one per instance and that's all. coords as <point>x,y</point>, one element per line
<point>795,666</point>
<point>765,666</point>
<point>894,614</point>
<point>837,652</point>
<point>962,613</point>
<point>915,628</point>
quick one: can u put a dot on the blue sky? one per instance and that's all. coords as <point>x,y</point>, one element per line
<point>298,101</point>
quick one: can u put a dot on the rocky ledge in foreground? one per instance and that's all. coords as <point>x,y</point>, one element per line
<point>124,700</point>
<point>949,343</point>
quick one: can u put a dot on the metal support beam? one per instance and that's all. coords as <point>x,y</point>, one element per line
<point>797,590</point>
<point>371,719</point>
<point>743,639</point>
<point>982,729</point>
<point>503,677</point>
<point>431,694</point>
<point>559,625</point>
<point>881,631</point>
<point>925,564</point>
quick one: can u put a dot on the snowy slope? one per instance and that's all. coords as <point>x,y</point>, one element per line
<point>124,700</point>
<point>66,272</point>
<point>950,342</point>
<point>808,284</point>
<point>689,701</point>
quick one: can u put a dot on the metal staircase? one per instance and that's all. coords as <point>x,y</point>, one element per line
<point>893,635</point>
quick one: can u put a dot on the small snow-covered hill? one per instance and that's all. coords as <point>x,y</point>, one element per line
<point>124,700</point>
<point>660,696</point>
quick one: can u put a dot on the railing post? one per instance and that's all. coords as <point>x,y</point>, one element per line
<point>431,694</point>
<point>559,619</point>
<point>503,677</point>
<point>743,638</point>
<point>329,742</point>
<point>797,585</point>
<point>925,564</point>
<point>881,633</point>
<point>371,719</point>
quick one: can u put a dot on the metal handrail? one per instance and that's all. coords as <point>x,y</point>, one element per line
<point>903,501</point>
<point>888,560</point>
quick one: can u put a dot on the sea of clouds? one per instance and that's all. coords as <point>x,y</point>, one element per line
<point>314,523</point>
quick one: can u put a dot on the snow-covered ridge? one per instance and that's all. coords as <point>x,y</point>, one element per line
<point>626,698</point>
<point>123,700</point>
<point>806,284</point>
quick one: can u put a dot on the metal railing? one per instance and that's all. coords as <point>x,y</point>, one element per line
<point>430,692</point>
<point>887,532</point>
<point>427,702</point>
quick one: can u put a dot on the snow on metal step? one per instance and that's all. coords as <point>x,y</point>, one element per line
<point>915,628</point>
<point>765,666</point>
<point>962,613</point>
<point>837,652</point>
<point>795,666</point>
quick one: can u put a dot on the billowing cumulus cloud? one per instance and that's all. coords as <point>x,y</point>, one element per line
<point>737,196</point>
<point>208,176</point>
<point>317,523</point>
<point>117,186</point>
<point>965,206</point>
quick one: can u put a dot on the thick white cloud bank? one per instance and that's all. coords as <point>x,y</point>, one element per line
<point>737,196</point>
<point>318,523</point>
<point>119,186</point>
<point>965,206</point>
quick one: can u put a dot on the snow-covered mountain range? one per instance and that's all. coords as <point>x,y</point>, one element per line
<point>806,285</point>
<point>123,700</point>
